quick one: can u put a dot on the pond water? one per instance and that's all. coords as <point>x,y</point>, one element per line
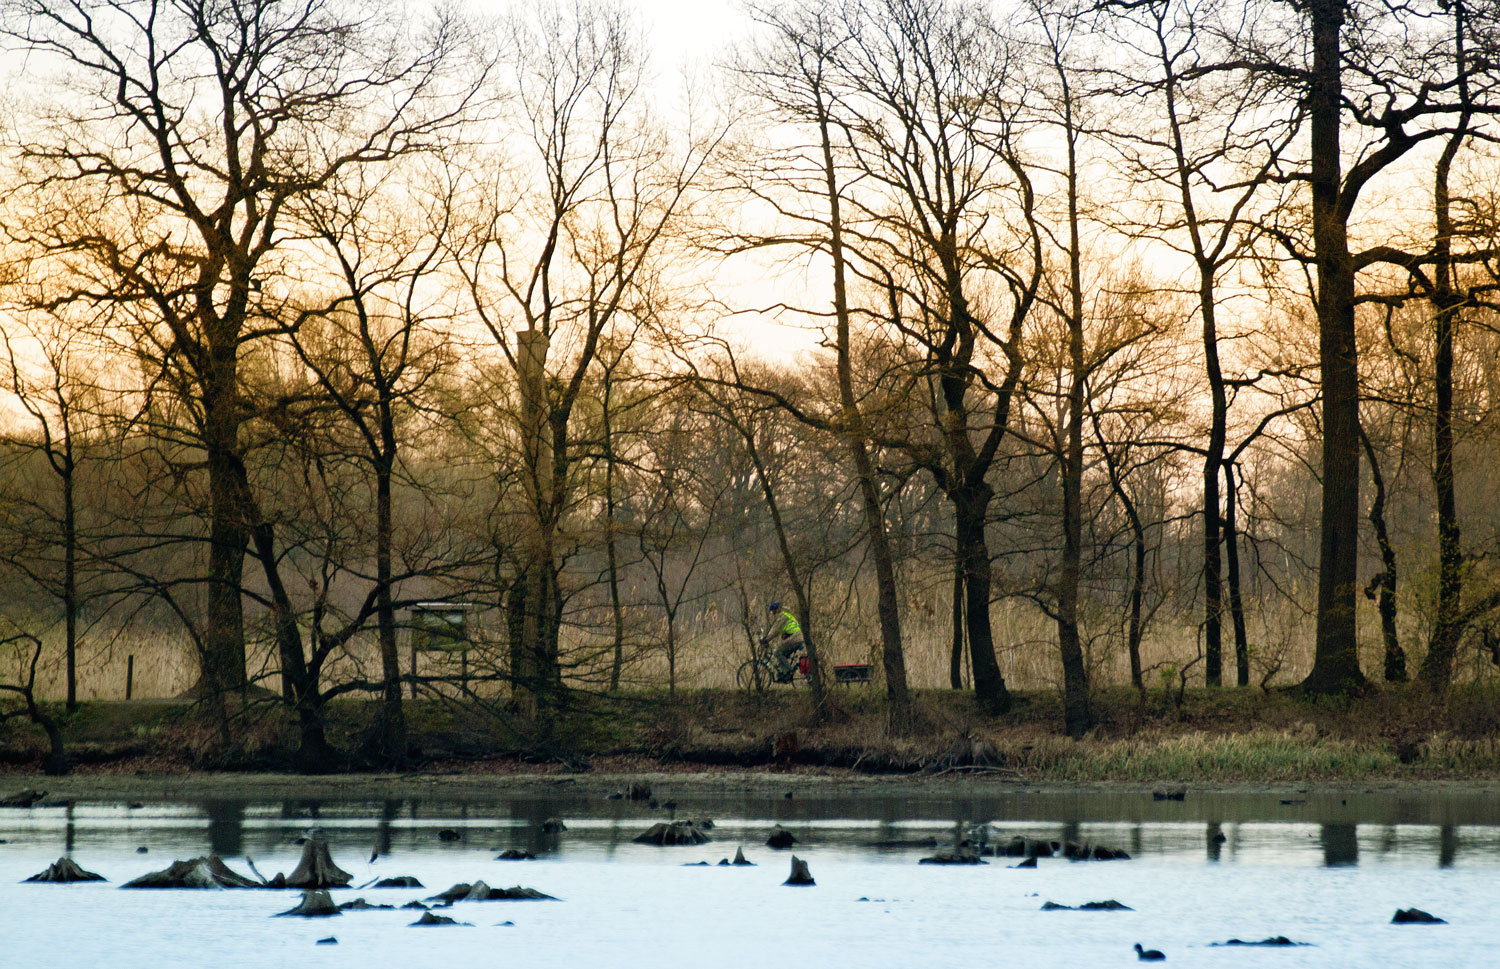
<point>1327,870</point>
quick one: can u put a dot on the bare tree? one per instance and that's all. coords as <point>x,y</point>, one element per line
<point>948,231</point>
<point>46,374</point>
<point>569,240</point>
<point>188,128</point>
<point>793,74</point>
<point>1066,299</point>
<point>1215,149</point>
<point>373,351</point>
<point>1370,99</point>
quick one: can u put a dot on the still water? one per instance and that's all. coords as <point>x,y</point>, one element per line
<point>1327,870</point>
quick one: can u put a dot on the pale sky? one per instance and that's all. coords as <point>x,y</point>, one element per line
<point>683,31</point>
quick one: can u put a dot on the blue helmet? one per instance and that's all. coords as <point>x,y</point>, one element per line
<point>774,606</point>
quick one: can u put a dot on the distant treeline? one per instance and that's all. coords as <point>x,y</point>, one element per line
<point>1164,331</point>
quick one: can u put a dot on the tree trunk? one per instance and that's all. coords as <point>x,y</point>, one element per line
<point>611,542</point>
<point>391,729</point>
<point>314,753</point>
<point>222,664</point>
<point>1213,600</point>
<point>970,506</point>
<point>1336,657</point>
<point>1447,626</point>
<point>1076,714</point>
<point>70,570</point>
<point>1232,557</point>
<point>1137,593</point>
<point>956,655</point>
<point>852,425</point>
<point>1382,586</point>
<point>537,683</point>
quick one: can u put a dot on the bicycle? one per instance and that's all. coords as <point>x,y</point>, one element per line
<point>759,671</point>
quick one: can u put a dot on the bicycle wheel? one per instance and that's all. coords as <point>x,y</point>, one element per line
<point>753,674</point>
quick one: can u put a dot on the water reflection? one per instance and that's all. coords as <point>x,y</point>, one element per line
<point>226,826</point>
<point>1340,844</point>
<point>1331,831</point>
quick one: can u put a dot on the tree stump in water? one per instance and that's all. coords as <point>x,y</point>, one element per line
<point>400,881</point>
<point>360,905</point>
<point>676,833</point>
<point>780,839</point>
<point>65,869</point>
<point>739,857</point>
<point>480,892</point>
<point>208,871</point>
<point>800,875</point>
<point>316,868</point>
<point>23,799</point>
<point>1108,905</point>
<point>315,904</point>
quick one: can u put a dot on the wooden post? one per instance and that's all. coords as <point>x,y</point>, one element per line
<point>129,675</point>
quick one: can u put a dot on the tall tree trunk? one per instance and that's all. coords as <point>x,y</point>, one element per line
<point>535,682</point>
<point>1447,625</point>
<point>611,543</point>
<point>1382,585</point>
<point>1336,657</point>
<point>1137,593</point>
<point>970,506</point>
<point>314,753</point>
<point>70,568</point>
<point>1232,557</point>
<point>391,731</point>
<point>1213,597</point>
<point>223,660</point>
<point>1076,714</point>
<point>852,425</point>
<point>956,655</point>
<point>1136,621</point>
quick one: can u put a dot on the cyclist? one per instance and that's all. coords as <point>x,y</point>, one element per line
<point>784,623</point>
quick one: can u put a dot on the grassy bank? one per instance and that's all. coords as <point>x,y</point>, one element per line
<point>1399,733</point>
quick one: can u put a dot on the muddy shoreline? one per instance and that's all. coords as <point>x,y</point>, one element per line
<point>464,785</point>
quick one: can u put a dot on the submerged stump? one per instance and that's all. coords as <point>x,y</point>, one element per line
<point>780,839</point>
<point>209,871</point>
<point>315,869</point>
<point>675,833</point>
<point>65,869</point>
<point>800,875</point>
<point>959,855</point>
<point>400,881</point>
<point>316,903</point>
<point>480,892</point>
<point>22,799</point>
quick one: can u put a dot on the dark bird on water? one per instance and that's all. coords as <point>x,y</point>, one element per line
<point>1148,955</point>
